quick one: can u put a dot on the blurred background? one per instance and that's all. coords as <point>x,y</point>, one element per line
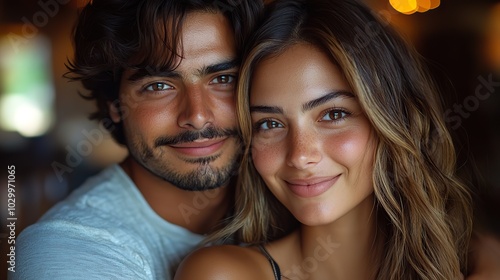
<point>45,132</point>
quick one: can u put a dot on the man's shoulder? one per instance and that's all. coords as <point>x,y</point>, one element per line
<point>83,232</point>
<point>105,226</point>
<point>62,249</point>
<point>94,209</point>
<point>111,180</point>
<point>103,192</point>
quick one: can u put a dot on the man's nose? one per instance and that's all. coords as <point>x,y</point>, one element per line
<point>196,110</point>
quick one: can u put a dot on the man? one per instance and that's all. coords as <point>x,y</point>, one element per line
<point>163,74</point>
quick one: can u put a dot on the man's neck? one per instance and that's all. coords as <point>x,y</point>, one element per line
<point>198,211</point>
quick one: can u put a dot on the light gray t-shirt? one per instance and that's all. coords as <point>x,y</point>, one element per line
<point>104,230</point>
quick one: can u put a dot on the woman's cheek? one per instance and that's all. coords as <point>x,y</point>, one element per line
<point>347,148</point>
<point>265,158</point>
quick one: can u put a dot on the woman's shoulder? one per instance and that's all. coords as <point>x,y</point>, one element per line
<point>485,256</point>
<point>224,262</point>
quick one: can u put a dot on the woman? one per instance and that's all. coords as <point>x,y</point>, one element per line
<point>344,132</point>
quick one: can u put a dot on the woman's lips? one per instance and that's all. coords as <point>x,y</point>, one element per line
<point>311,187</point>
<point>201,147</point>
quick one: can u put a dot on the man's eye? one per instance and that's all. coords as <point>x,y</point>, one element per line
<point>223,79</point>
<point>158,87</point>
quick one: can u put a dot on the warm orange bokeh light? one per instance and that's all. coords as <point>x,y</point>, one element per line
<point>409,7</point>
<point>435,4</point>
<point>423,6</point>
<point>404,6</point>
<point>491,47</point>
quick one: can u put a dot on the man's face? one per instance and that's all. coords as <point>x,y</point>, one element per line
<point>181,125</point>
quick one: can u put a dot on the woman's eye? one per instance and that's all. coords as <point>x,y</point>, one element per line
<point>334,115</point>
<point>223,79</point>
<point>266,125</point>
<point>158,87</point>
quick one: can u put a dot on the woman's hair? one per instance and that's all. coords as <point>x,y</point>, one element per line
<point>113,35</point>
<point>424,210</point>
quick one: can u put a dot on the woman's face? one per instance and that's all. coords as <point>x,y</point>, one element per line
<point>312,143</point>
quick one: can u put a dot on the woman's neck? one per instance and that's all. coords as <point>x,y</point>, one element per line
<point>349,248</point>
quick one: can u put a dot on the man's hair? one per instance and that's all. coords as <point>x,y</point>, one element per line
<point>113,35</point>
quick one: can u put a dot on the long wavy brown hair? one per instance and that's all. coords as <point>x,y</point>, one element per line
<point>424,210</point>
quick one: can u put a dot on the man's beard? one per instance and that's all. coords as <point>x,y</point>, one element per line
<point>204,177</point>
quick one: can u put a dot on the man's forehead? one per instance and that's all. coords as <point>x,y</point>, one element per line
<point>204,42</point>
<point>206,30</point>
<point>204,18</point>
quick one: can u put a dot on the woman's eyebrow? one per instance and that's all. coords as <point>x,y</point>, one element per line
<point>306,106</point>
<point>266,109</point>
<point>325,98</point>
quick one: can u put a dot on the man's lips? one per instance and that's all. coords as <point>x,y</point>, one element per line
<point>200,147</point>
<point>312,186</point>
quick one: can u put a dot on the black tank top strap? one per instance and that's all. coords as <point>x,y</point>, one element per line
<point>274,264</point>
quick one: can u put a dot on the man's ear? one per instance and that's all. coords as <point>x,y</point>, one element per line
<point>114,111</point>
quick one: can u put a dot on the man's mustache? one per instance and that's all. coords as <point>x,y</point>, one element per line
<point>190,136</point>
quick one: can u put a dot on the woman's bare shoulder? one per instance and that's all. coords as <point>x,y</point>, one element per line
<point>485,256</point>
<point>223,263</point>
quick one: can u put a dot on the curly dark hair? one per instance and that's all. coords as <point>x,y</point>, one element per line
<point>113,35</point>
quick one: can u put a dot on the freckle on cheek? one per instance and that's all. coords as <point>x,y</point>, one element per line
<point>263,156</point>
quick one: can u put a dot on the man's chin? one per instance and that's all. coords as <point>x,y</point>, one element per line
<point>204,177</point>
<point>202,161</point>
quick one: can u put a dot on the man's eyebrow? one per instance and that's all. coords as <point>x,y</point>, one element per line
<point>223,66</point>
<point>325,98</point>
<point>150,72</point>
